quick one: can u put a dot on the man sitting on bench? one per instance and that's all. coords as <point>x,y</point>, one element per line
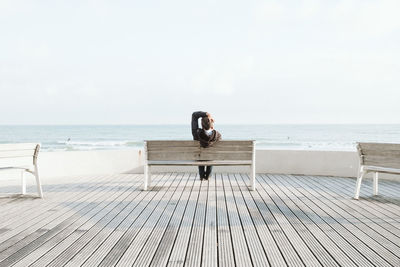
<point>206,135</point>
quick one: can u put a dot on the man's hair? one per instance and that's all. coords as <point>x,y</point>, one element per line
<point>206,123</point>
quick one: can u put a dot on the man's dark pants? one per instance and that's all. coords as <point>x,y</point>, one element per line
<point>205,172</point>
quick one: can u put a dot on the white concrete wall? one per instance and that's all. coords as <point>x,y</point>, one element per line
<point>75,163</point>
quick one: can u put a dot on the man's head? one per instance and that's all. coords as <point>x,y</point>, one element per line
<point>207,123</point>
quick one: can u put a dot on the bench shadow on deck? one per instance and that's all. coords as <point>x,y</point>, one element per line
<point>289,220</point>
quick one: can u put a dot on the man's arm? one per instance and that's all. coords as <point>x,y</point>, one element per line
<point>195,121</point>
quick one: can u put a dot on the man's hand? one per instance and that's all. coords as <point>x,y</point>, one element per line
<point>210,117</point>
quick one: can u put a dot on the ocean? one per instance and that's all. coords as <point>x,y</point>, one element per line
<point>296,137</point>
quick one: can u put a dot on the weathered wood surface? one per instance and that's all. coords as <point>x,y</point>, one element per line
<point>191,150</point>
<point>182,221</point>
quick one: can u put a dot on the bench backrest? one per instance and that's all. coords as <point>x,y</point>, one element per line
<point>379,154</point>
<point>21,154</point>
<point>191,150</point>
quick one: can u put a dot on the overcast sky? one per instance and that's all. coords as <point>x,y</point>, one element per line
<point>145,62</point>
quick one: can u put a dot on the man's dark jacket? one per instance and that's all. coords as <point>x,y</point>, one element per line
<point>199,134</point>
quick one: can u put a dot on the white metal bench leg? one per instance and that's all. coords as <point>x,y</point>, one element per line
<point>146,178</point>
<point>23,183</point>
<point>253,178</point>
<point>38,184</point>
<point>358,184</point>
<point>376,183</point>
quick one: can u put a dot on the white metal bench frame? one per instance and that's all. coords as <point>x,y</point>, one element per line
<point>200,152</point>
<point>377,158</point>
<point>24,151</point>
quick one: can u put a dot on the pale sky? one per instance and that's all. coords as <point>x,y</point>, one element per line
<point>151,62</point>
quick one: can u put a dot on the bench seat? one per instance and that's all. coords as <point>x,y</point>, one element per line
<point>190,153</point>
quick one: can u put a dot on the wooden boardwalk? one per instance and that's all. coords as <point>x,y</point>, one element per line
<point>289,220</point>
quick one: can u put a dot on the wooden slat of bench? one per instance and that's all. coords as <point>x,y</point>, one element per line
<point>168,143</point>
<point>381,169</point>
<point>17,153</point>
<point>387,162</point>
<point>181,156</point>
<point>198,149</point>
<point>199,163</point>
<point>17,146</point>
<point>379,146</point>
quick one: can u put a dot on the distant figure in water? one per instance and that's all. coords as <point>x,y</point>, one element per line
<point>206,135</point>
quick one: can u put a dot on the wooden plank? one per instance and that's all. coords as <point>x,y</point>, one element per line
<point>195,246</point>
<point>209,257</point>
<point>97,248</point>
<point>376,213</point>
<point>162,252</point>
<point>179,249</point>
<point>300,245</point>
<point>353,237</point>
<point>153,143</point>
<point>200,163</point>
<point>31,208</point>
<point>66,224</point>
<point>225,249</point>
<point>271,248</point>
<point>324,249</point>
<point>93,234</point>
<point>379,146</point>
<point>153,243</point>
<point>132,251</point>
<point>109,254</point>
<point>352,212</point>
<point>240,248</point>
<point>191,156</point>
<point>61,248</point>
<point>254,245</point>
<point>198,149</point>
<point>27,229</point>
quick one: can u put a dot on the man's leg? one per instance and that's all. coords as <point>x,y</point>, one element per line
<point>208,171</point>
<point>201,172</point>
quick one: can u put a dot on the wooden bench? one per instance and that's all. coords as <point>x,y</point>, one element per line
<point>376,158</point>
<point>23,157</point>
<point>190,153</point>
